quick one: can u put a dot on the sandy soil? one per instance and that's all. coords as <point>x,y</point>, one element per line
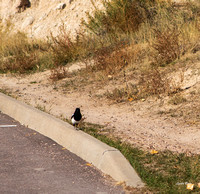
<point>135,122</point>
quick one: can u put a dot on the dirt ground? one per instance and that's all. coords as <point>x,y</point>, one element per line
<point>151,123</point>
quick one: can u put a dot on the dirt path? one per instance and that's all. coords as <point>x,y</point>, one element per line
<point>135,122</point>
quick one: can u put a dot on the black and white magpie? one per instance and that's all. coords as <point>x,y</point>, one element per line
<point>76,117</point>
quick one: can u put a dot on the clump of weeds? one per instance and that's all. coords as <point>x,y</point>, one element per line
<point>20,54</point>
<point>177,99</point>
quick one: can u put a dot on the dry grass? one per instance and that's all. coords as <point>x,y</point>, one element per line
<point>120,16</point>
<point>58,73</point>
<point>185,106</point>
<point>167,46</point>
<point>111,61</point>
<point>118,95</point>
<point>153,82</point>
<point>115,44</point>
<point>67,49</point>
<point>148,82</point>
<point>20,54</point>
<point>177,99</point>
<point>169,34</point>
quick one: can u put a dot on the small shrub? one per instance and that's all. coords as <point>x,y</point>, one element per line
<point>177,99</point>
<point>120,16</point>
<point>115,58</point>
<point>66,49</point>
<point>111,60</point>
<point>117,95</point>
<point>58,73</point>
<point>152,82</point>
<point>128,93</point>
<point>167,46</point>
<point>63,48</point>
<point>21,63</point>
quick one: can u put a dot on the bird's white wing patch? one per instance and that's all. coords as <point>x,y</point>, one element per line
<point>74,121</point>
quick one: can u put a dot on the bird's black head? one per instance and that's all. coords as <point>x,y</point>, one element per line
<point>77,110</point>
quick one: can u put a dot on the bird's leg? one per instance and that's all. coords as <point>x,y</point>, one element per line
<point>76,127</point>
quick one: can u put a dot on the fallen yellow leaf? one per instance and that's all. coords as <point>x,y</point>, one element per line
<point>153,152</point>
<point>190,186</point>
<point>88,164</point>
<point>120,183</point>
<point>130,99</point>
<point>142,99</point>
<point>64,148</point>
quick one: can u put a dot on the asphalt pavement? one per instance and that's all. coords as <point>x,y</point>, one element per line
<point>32,163</point>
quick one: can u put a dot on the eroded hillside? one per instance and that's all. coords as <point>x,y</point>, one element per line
<point>39,18</point>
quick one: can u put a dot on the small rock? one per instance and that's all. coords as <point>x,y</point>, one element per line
<point>60,6</point>
<point>74,67</point>
<point>28,21</point>
<point>43,17</point>
<point>110,77</point>
<point>73,7</point>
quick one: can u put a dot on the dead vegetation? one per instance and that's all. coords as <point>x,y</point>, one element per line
<point>19,54</point>
<point>135,48</point>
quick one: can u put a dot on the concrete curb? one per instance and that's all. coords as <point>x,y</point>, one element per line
<point>109,160</point>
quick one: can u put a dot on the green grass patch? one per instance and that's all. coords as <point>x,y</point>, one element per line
<point>163,172</point>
